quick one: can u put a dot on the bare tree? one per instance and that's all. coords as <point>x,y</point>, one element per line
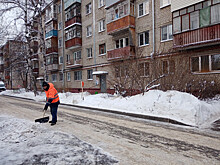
<point>31,14</point>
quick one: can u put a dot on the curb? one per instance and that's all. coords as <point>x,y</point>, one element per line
<point>161,119</point>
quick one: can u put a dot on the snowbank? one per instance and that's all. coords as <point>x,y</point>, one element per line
<point>179,106</point>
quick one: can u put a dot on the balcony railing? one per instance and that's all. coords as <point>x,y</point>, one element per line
<point>197,38</point>
<point>52,50</point>
<point>121,53</point>
<point>7,77</point>
<point>35,70</point>
<point>73,43</point>
<point>74,20</point>
<point>52,67</point>
<point>74,63</point>
<point>121,24</point>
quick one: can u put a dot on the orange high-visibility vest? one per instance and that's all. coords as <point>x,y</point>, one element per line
<point>52,94</point>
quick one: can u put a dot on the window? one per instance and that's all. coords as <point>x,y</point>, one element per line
<point>60,43</point>
<point>72,32</point>
<point>165,67</point>
<point>60,59</point>
<point>89,31</point>
<point>61,76</point>
<point>89,52</point>
<point>59,8</point>
<point>194,20</point>
<point>89,74</point>
<point>102,25</point>
<point>88,8</point>
<point>77,55</point>
<point>54,77</point>
<point>47,78</point>
<point>143,8</point>
<point>144,69</point>
<point>206,63</point>
<point>67,58</point>
<point>204,17</point>
<point>144,38</point>
<point>166,33</point>
<point>102,49</point>
<point>101,3</point>
<point>176,25</point>
<point>78,75</point>
<point>121,43</point>
<point>185,22</point>
<point>164,3</point>
<point>59,25</point>
<point>68,77</point>
<point>215,14</point>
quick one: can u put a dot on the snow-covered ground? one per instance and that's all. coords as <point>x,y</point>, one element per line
<point>26,142</point>
<point>179,106</point>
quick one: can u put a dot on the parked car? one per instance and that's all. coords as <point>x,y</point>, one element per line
<point>2,86</point>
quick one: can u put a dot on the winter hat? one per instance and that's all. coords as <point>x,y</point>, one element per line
<point>45,84</point>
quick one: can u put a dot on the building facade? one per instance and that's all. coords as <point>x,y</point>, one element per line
<point>131,44</point>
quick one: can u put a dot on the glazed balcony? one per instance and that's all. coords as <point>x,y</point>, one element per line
<point>197,38</point>
<point>121,24</point>
<point>52,33</point>
<point>68,3</point>
<point>73,43</point>
<point>121,53</point>
<point>74,20</point>
<point>52,67</point>
<point>53,49</point>
<point>74,63</point>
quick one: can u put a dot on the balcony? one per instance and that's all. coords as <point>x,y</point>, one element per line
<point>121,53</point>
<point>35,70</point>
<point>52,67</point>
<point>74,63</point>
<point>68,3</point>
<point>73,43</point>
<point>121,24</point>
<point>7,77</point>
<point>53,49</point>
<point>197,38</point>
<point>72,21</point>
<point>52,33</point>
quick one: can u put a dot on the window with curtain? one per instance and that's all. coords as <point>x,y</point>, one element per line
<point>204,17</point>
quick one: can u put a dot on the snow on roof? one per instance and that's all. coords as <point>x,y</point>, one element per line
<point>99,72</point>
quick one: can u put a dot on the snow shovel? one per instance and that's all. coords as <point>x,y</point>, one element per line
<point>43,119</point>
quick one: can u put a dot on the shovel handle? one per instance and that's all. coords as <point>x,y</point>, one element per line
<point>44,113</point>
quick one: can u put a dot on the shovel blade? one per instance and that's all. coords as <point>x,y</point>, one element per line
<point>42,120</point>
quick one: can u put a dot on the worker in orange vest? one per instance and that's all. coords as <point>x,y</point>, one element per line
<point>52,100</point>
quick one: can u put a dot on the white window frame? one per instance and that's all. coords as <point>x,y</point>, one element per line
<point>89,8</point>
<point>89,52</point>
<point>102,25</point>
<point>68,76</point>
<point>67,58</point>
<point>101,3</point>
<point>89,31</point>
<point>78,75</point>
<point>121,40</point>
<point>145,10</point>
<point>144,38</point>
<point>164,3</point>
<point>54,77</point>
<point>60,43</point>
<point>47,78</point>
<point>89,74</point>
<point>168,30</point>
<point>60,59</point>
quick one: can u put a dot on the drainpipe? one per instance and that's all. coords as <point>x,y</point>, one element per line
<point>94,37</point>
<point>63,42</point>
<point>153,28</point>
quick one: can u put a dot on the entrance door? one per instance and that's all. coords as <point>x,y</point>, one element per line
<point>103,83</point>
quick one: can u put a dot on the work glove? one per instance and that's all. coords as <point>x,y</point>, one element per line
<point>45,107</point>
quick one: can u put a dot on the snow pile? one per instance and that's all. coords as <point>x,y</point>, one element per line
<point>179,106</point>
<point>25,142</point>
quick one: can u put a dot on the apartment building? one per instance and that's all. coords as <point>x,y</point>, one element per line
<point>1,64</point>
<point>175,44</point>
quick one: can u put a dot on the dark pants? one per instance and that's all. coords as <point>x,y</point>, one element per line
<point>53,110</point>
